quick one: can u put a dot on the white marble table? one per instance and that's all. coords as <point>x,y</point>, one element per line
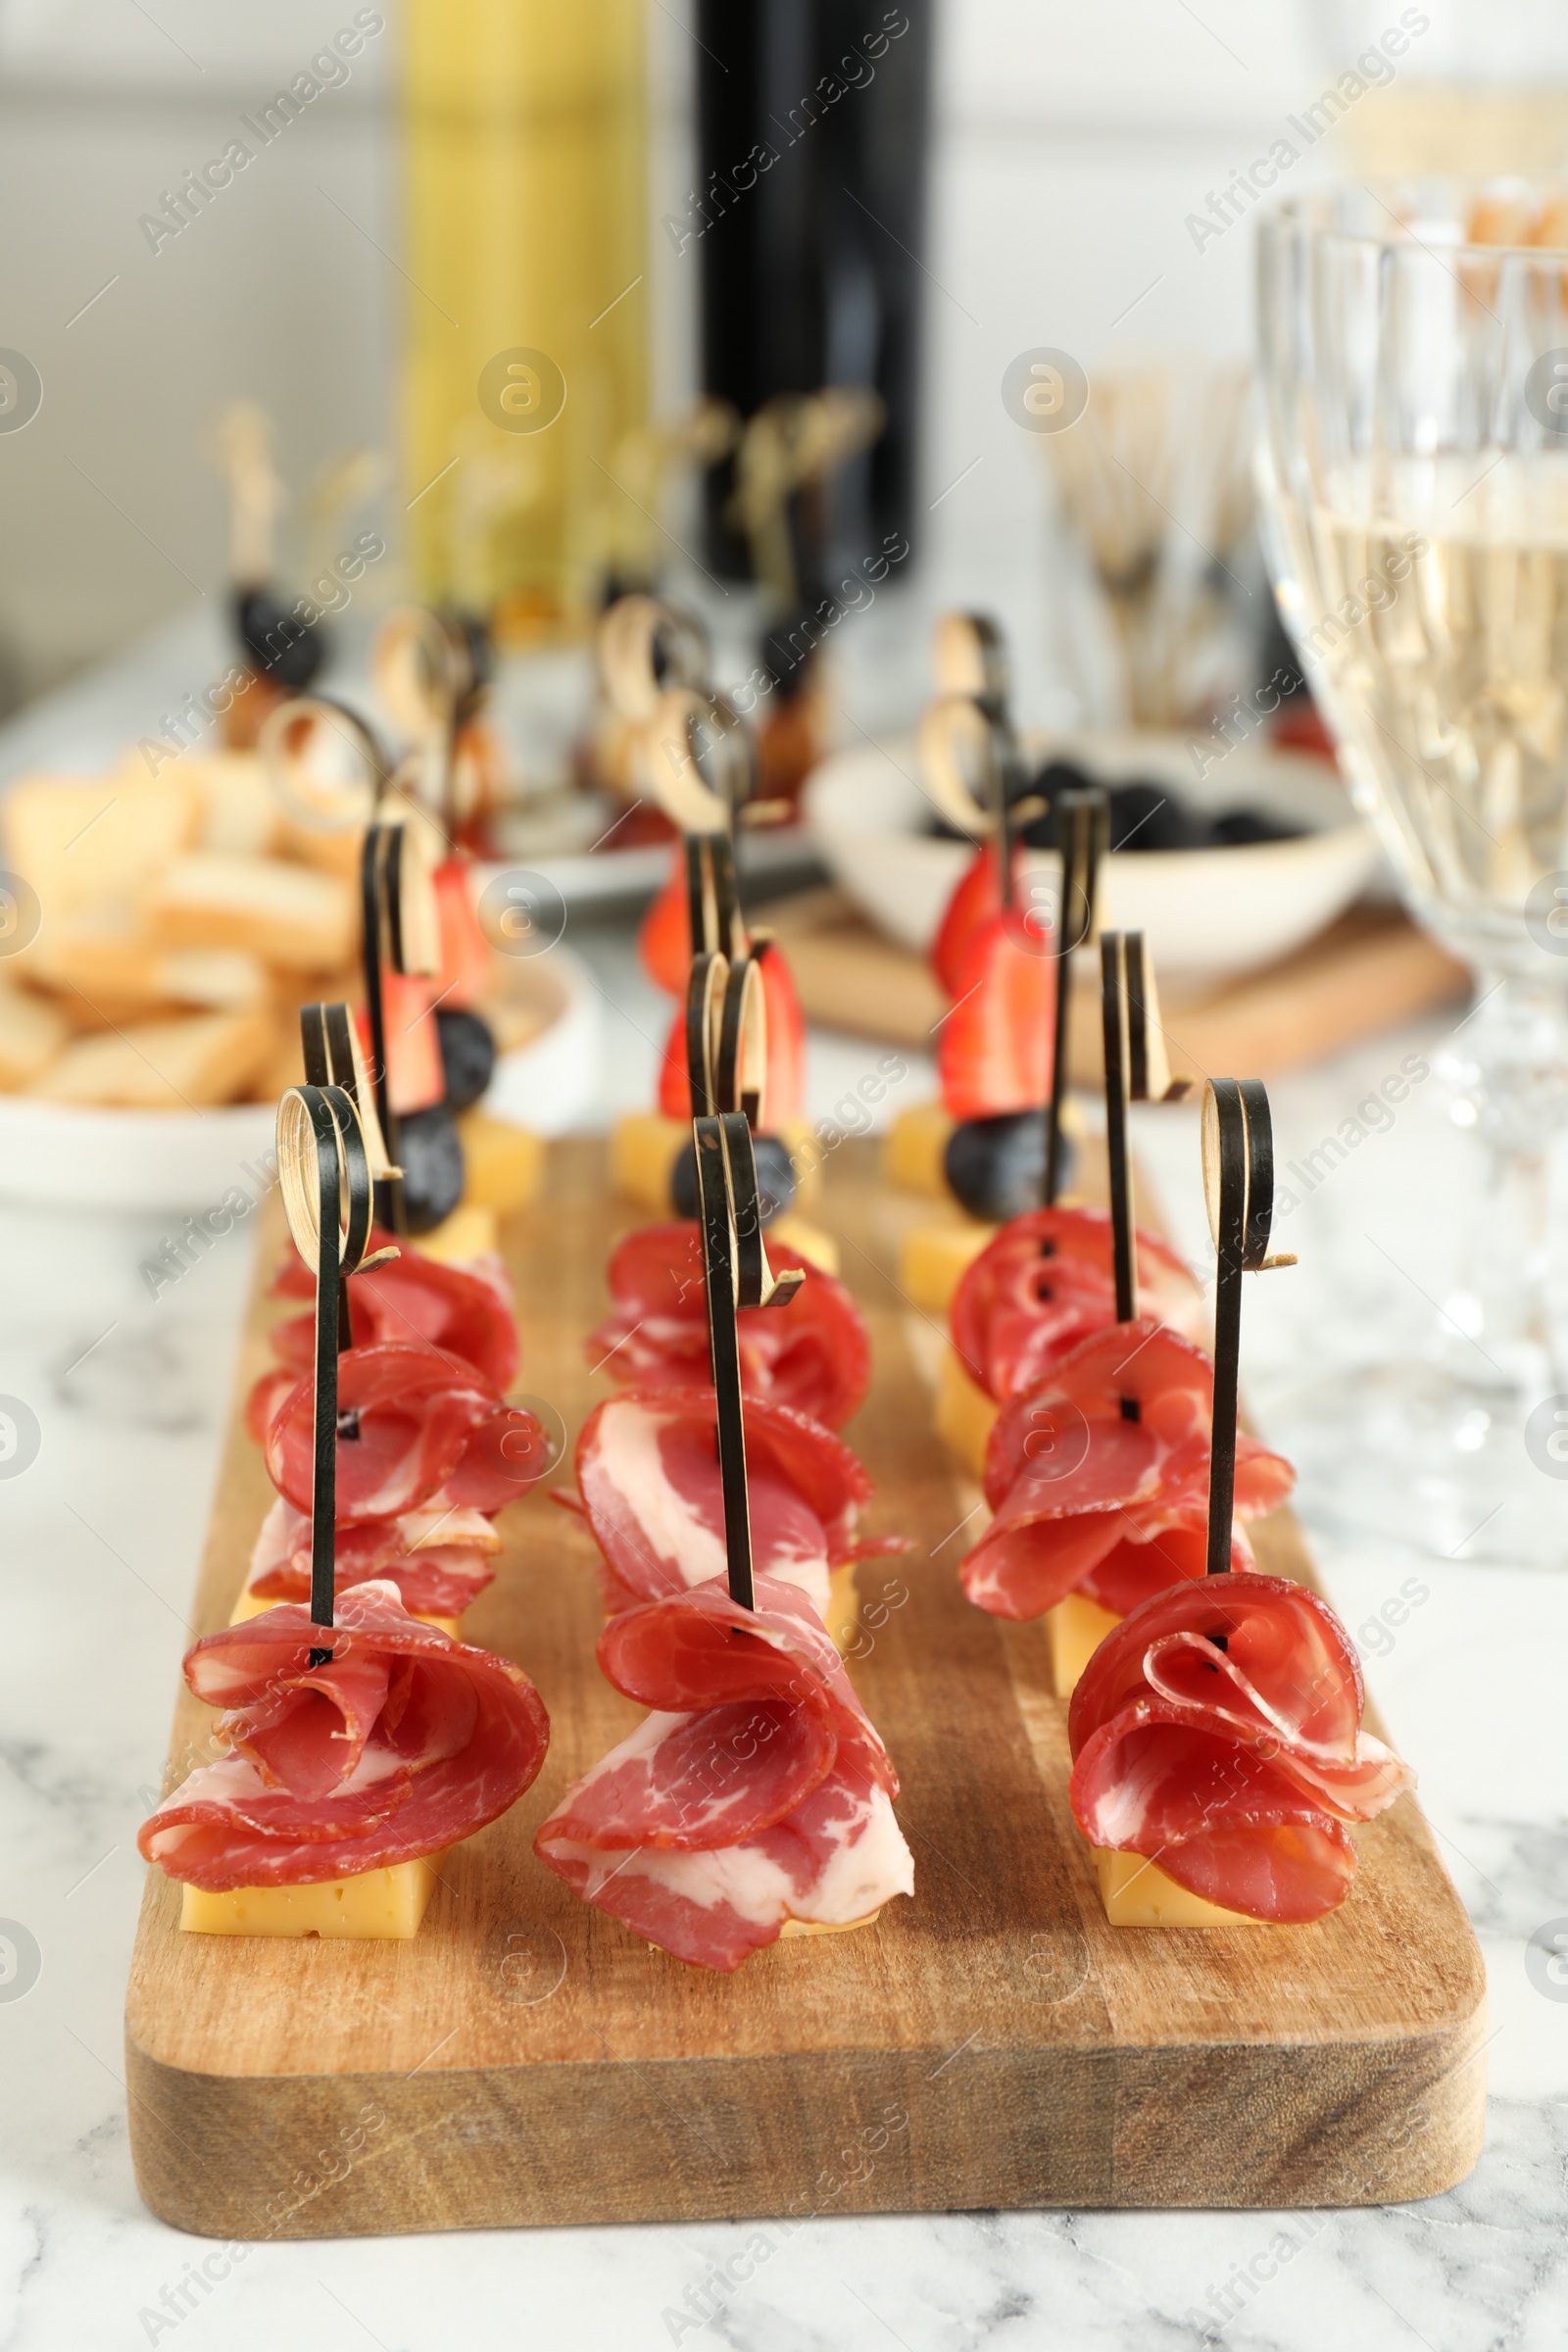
<point>99,1539</point>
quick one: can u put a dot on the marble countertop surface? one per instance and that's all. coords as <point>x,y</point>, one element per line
<point>99,1537</point>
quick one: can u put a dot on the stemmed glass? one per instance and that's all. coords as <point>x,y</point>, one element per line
<point>1414,474</point>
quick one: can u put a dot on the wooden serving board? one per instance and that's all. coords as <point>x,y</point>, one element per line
<point>1370,969</point>
<point>992,2043</point>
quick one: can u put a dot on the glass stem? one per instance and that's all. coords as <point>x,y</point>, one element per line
<point>1511,1063</point>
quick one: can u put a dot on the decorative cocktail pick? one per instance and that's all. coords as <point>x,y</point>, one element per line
<point>1136,1070</point>
<point>428,672</point>
<point>1114,946</point>
<point>325,1179</point>
<point>705,986</point>
<point>1238,1186</point>
<point>401,931</point>
<point>737,1274</point>
<point>646,649</point>
<point>331,1049</point>
<point>1083,838</point>
<point>712,903</point>
<point>696,761</point>
<point>726,1063</point>
<point>970,655</point>
<point>1148,1071</point>
<point>325,766</point>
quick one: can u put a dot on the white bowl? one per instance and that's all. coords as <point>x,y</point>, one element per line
<point>74,1157</point>
<point>1204,913</point>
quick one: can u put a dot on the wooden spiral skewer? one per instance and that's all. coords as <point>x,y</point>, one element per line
<point>1237,1144</point>
<point>401,930</point>
<point>1083,839</point>
<point>324,1175</point>
<point>330,1045</point>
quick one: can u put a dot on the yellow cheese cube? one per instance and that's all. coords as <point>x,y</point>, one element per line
<point>1137,1894</point>
<point>1075,1629</point>
<point>843,1603</point>
<point>828,1927</point>
<point>932,1259</point>
<point>644,1147</point>
<point>798,1233</point>
<point>966,1414</point>
<point>384,1905</point>
<point>469,1231</point>
<point>252,1604</point>
<point>912,1149</point>
<point>502,1165</point>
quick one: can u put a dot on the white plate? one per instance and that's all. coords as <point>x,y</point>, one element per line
<point>1203,912</point>
<point>73,1157</point>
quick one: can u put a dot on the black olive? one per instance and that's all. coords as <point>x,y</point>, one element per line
<point>1238,828</point>
<point>430,1155</point>
<point>467,1056</point>
<point>1061,775</point>
<point>997,1167</point>
<point>277,641</point>
<point>1151,816</point>
<point>775,1179</point>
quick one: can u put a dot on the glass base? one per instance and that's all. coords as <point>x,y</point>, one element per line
<point>1410,1456</point>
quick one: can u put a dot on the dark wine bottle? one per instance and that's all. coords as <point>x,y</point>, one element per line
<point>808,221</point>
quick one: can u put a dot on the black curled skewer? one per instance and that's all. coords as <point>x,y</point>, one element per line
<point>332,1049</point>
<point>1238,1184</point>
<point>1082,816</point>
<point>400,932</point>
<point>721,1272</point>
<point>740,1067</point>
<point>1115,1021</point>
<point>737,1275</point>
<point>324,1173</point>
<point>713,902</point>
<point>1136,1071</point>
<point>705,985</point>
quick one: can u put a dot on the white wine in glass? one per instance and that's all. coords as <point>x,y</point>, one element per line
<point>1414,347</point>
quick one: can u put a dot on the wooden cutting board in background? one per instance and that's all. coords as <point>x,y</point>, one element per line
<point>1367,972</point>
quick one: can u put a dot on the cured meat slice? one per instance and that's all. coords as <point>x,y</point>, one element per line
<point>648,1477</point>
<point>756,1794</point>
<point>813,1354</point>
<point>1044,1284</point>
<point>414,1426</point>
<point>464,1312</point>
<point>267,1395</point>
<point>440,1561</point>
<point>402,1743</point>
<point>1236,1769</point>
<point>1089,1499</point>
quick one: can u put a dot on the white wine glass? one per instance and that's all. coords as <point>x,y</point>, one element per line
<point>1414,472</point>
